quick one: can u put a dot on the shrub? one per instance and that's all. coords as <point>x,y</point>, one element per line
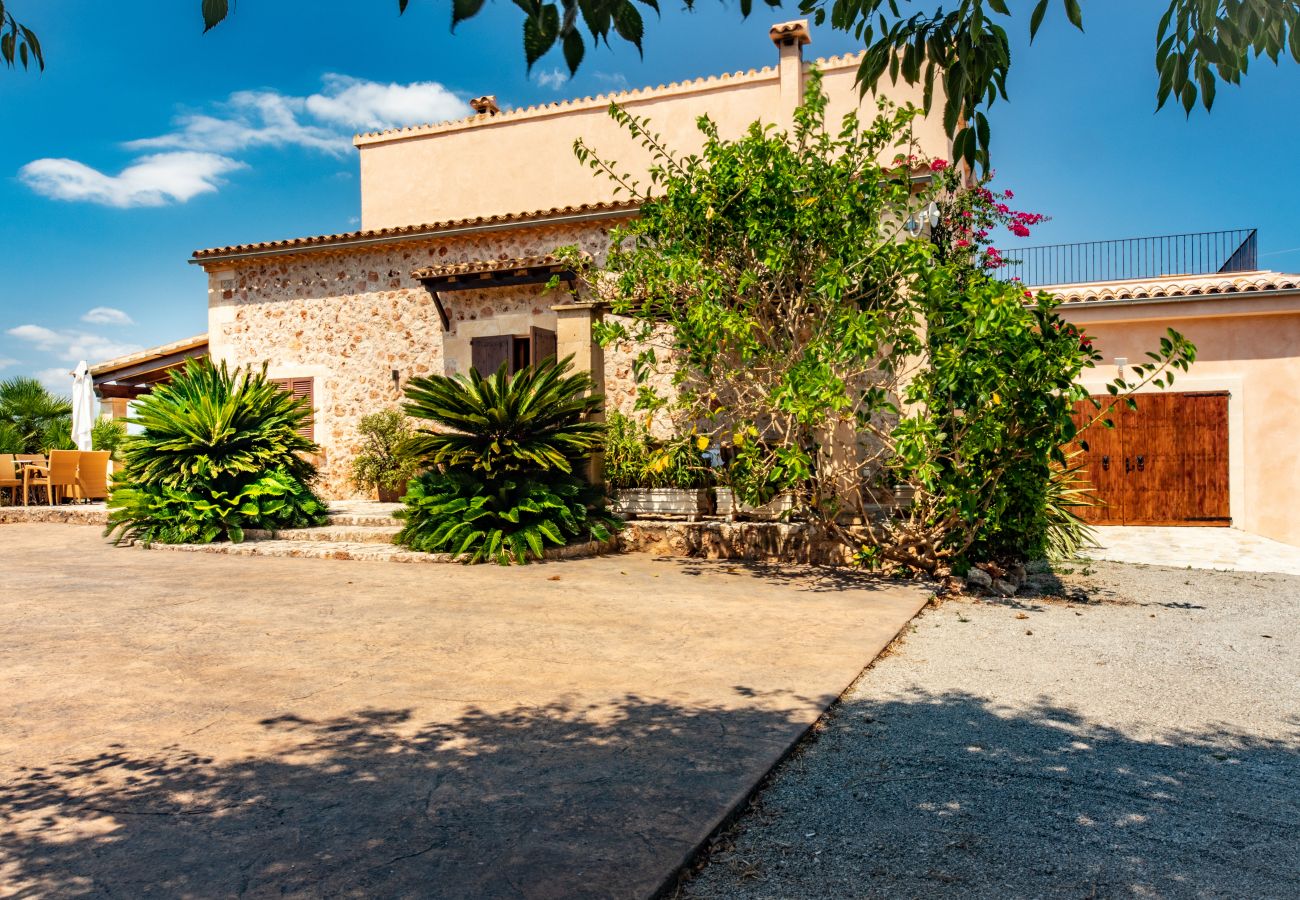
<point>385,461</point>
<point>634,459</point>
<point>779,291</point>
<point>108,434</point>
<point>503,479</point>
<point>218,452</point>
<point>30,410</point>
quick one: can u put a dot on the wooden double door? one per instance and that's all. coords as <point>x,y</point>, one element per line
<point>1165,463</point>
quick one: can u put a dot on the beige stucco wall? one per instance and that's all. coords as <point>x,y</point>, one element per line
<point>348,318</point>
<point>522,160</point>
<point>1249,346</point>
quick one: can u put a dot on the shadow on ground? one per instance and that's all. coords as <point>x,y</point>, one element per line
<point>951,795</point>
<point>374,804</point>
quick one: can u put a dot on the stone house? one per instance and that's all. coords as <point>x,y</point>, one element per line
<point>459,221</point>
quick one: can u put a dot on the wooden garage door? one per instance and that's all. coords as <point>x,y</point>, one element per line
<point>1164,464</point>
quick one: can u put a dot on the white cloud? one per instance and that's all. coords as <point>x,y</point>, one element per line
<point>35,334</point>
<point>149,181</point>
<point>371,106</point>
<point>73,345</point>
<point>200,146</point>
<point>615,80</point>
<point>247,119</point>
<point>58,380</point>
<point>553,79</point>
<point>7,361</point>
<point>107,315</point>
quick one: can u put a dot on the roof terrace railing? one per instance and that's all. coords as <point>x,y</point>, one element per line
<point>1204,253</point>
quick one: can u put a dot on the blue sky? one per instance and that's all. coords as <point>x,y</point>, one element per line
<point>162,140</point>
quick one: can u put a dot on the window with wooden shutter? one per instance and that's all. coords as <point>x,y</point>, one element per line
<point>301,389</point>
<point>520,351</point>
<point>488,353</point>
<point>543,344</point>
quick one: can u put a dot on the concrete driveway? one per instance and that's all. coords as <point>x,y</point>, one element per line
<point>193,725</point>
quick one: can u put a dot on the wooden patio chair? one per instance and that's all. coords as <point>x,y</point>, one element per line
<point>60,475</point>
<point>92,474</point>
<point>9,477</point>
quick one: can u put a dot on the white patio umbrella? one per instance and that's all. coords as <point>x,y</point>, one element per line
<point>83,406</point>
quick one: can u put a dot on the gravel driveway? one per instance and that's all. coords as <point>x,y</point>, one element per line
<point>1137,735</point>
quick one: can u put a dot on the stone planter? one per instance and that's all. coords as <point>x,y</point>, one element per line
<point>777,508</point>
<point>653,503</point>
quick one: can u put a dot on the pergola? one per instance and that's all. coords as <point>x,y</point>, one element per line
<point>129,377</point>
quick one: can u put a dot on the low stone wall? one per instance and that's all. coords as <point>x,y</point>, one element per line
<point>95,514</point>
<point>777,542</point>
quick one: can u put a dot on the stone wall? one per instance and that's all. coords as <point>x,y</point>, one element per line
<point>349,318</point>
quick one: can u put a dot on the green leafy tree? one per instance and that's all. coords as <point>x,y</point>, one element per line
<point>218,452</point>
<point>504,455</point>
<point>31,411</point>
<point>835,357</point>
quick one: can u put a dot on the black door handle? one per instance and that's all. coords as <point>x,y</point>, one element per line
<point>1128,464</point>
<point>1142,464</point>
<point>1105,463</point>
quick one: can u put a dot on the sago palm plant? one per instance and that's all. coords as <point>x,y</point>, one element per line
<point>533,420</point>
<point>218,426</point>
<point>218,452</point>
<point>504,458</point>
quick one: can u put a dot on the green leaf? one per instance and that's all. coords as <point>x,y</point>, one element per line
<point>540,32</point>
<point>573,51</point>
<point>628,24</point>
<point>1036,18</point>
<point>1074,13</point>
<point>460,10</point>
<point>214,12</point>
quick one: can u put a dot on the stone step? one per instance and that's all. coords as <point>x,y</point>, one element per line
<point>362,520</point>
<point>357,551</point>
<point>346,534</point>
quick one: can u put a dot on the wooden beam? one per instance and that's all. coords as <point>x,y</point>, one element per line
<point>442,312</point>
<point>121,391</point>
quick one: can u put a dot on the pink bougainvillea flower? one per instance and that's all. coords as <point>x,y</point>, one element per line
<point>963,243</point>
<point>938,165</point>
<point>1019,230</point>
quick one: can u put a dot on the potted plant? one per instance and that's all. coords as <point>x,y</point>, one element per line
<point>385,463</point>
<point>652,478</point>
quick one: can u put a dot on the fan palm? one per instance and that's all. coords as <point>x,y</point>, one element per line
<point>533,420</point>
<point>30,410</point>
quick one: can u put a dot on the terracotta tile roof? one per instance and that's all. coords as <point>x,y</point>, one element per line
<point>798,30</point>
<point>412,231</point>
<point>1174,286</point>
<point>484,266</point>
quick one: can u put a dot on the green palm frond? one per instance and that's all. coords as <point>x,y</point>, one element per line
<point>533,420</point>
<point>218,452</point>
<point>1067,490</point>
<point>218,425</point>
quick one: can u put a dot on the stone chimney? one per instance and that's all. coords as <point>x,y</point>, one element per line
<point>486,105</point>
<point>790,38</point>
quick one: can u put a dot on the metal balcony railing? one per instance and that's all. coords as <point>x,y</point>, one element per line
<point>1204,253</point>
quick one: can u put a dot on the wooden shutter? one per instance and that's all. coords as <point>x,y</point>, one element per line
<point>301,389</point>
<point>543,344</point>
<point>488,353</point>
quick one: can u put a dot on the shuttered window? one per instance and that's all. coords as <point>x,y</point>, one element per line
<point>301,389</point>
<point>489,352</point>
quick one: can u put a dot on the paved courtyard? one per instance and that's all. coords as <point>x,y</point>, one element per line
<point>1226,549</point>
<point>177,724</point>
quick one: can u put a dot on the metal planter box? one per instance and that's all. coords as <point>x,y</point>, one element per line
<point>653,503</point>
